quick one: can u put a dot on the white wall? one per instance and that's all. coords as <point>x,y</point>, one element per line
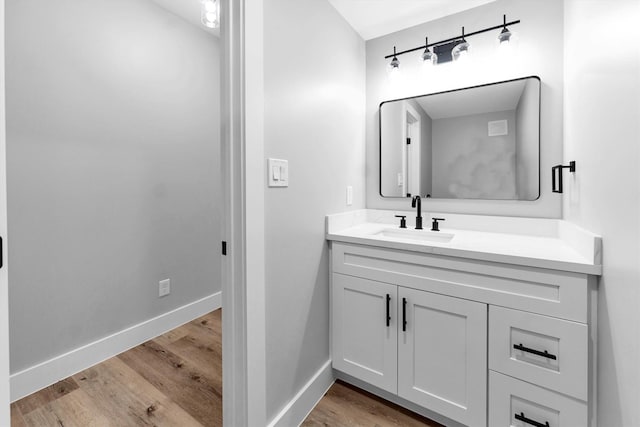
<point>469,163</point>
<point>602,111</point>
<point>113,142</point>
<point>540,52</point>
<point>314,117</point>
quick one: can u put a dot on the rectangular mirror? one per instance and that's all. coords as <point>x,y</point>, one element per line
<point>480,142</point>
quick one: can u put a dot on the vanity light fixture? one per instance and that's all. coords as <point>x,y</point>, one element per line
<point>210,13</point>
<point>505,35</point>
<point>454,48</point>
<point>394,65</point>
<point>461,51</point>
<point>428,57</point>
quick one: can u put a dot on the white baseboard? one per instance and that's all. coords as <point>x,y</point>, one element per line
<point>307,398</point>
<point>37,377</point>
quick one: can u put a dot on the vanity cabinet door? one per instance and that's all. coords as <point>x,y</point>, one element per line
<point>442,354</point>
<point>364,340</point>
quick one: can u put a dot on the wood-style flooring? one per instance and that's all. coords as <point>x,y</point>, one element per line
<point>172,380</point>
<point>175,380</point>
<point>347,406</point>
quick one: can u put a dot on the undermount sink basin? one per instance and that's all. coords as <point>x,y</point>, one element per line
<point>418,235</point>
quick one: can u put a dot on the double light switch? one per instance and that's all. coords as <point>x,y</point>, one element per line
<point>278,173</point>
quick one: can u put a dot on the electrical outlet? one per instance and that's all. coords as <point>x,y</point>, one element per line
<point>164,287</point>
<point>349,195</point>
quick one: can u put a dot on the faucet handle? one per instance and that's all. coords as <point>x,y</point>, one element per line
<point>434,224</point>
<point>403,220</point>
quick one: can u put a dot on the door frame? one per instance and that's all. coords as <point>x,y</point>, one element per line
<point>243,181</point>
<point>412,153</point>
<point>5,408</point>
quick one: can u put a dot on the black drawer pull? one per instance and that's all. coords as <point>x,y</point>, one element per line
<point>388,316</point>
<point>536,352</point>
<point>404,314</point>
<point>521,417</point>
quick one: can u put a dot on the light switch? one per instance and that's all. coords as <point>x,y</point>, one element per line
<point>278,172</point>
<point>349,195</point>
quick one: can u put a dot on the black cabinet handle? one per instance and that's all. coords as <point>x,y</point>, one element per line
<point>521,417</point>
<point>1,254</point>
<point>536,352</point>
<point>404,314</point>
<point>388,316</point>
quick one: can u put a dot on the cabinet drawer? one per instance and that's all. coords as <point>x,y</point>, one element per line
<point>518,341</point>
<point>519,404</point>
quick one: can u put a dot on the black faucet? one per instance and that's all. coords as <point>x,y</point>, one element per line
<point>417,202</point>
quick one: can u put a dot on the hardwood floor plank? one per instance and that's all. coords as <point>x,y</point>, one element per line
<point>347,406</point>
<point>16,417</point>
<point>207,356</point>
<point>75,409</point>
<point>117,389</point>
<point>179,379</point>
<point>46,395</point>
<point>171,336</point>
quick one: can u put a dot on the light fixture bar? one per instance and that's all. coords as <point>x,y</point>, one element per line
<point>453,38</point>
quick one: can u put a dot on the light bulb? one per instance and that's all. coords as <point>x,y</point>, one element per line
<point>428,58</point>
<point>504,36</point>
<point>460,53</point>
<point>209,6</point>
<point>393,70</point>
<point>209,14</point>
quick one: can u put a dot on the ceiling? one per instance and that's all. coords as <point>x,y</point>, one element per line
<point>189,10</point>
<point>375,18</point>
<point>480,100</point>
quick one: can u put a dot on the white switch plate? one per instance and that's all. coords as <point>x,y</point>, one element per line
<point>164,287</point>
<point>349,195</point>
<point>278,171</point>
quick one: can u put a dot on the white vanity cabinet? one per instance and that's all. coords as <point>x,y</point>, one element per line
<point>442,354</point>
<point>427,348</point>
<point>365,330</point>
<point>480,343</point>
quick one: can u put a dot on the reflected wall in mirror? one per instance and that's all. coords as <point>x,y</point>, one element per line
<point>481,142</point>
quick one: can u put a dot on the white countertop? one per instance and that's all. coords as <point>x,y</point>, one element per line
<point>543,243</point>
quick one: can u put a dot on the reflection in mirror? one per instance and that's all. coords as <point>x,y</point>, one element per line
<point>481,142</point>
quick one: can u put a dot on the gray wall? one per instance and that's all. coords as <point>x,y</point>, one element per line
<point>601,134</point>
<point>539,52</point>
<point>113,148</point>
<point>314,117</point>
<point>469,163</point>
<point>527,142</point>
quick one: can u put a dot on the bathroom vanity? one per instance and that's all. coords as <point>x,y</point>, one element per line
<point>489,322</point>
